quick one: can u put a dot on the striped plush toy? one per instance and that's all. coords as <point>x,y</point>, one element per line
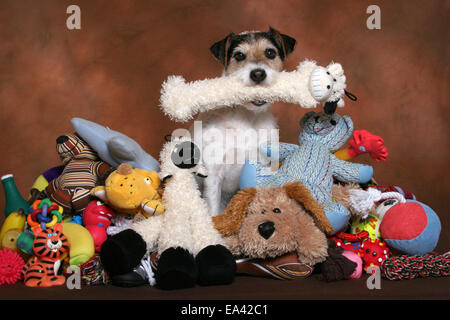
<point>312,162</point>
<point>82,167</point>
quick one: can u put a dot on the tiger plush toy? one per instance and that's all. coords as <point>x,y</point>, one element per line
<point>48,246</point>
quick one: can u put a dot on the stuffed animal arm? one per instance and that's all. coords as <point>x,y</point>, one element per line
<point>307,86</point>
<point>351,172</point>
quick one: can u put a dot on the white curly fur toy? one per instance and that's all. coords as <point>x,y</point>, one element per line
<point>185,231</point>
<point>307,86</point>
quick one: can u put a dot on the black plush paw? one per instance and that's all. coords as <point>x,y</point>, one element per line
<point>336,267</point>
<point>122,252</point>
<point>216,265</point>
<point>176,269</point>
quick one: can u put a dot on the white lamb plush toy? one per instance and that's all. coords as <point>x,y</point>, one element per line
<point>190,249</point>
<point>307,86</point>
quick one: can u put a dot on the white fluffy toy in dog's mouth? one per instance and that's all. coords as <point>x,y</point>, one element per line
<point>306,86</point>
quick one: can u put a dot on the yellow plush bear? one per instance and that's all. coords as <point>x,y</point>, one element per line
<point>131,191</point>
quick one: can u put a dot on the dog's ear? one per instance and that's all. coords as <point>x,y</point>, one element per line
<point>229,222</point>
<point>220,49</point>
<point>283,41</point>
<point>301,194</point>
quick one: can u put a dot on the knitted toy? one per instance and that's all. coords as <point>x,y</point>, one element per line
<point>71,189</point>
<point>11,264</point>
<point>266,226</point>
<point>189,249</point>
<point>307,86</point>
<point>114,147</point>
<point>313,163</point>
<point>408,226</point>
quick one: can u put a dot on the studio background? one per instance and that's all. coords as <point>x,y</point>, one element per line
<point>112,69</point>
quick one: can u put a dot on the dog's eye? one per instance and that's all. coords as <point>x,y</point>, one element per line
<point>276,210</point>
<point>239,56</point>
<point>270,53</point>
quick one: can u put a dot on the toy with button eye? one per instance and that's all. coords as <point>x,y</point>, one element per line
<point>44,213</point>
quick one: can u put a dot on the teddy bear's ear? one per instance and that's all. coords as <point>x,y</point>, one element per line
<point>301,194</point>
<point>229,222</point>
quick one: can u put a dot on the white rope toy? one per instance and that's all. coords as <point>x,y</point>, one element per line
<point>307,86</point>
<point>362,201</point>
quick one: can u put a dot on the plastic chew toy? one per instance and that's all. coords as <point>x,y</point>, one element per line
<point>11,265</point>
<point>114,147</point>
<point>96,219</point>
<point>307,86</point>
<point>48,246</point>
<point>14,199</point>
<point>44,213</point>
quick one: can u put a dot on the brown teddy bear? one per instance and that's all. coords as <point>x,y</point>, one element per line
<point>270,222</point>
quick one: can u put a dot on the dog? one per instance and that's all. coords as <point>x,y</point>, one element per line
<point>255,57</point>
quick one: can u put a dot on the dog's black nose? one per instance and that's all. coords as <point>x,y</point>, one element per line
<point>61,139</point>
<point>266,229</point>
<point>258,75</point>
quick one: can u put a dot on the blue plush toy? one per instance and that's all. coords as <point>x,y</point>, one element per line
<point>313,163</point>
<point>114,147</point>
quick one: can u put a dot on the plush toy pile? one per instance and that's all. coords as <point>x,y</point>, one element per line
<point>122,217</point>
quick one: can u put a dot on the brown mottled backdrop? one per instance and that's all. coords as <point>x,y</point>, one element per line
<point>111,72</point>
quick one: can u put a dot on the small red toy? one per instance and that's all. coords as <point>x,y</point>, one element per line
<point>96,218</point>
<point>372,252</point>
<point>97,213</point>
<point>11,265</point>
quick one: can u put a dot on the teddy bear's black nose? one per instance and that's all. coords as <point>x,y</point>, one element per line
<point>266,229</point>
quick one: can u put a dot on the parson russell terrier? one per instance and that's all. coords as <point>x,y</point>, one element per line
<point>255,57</point>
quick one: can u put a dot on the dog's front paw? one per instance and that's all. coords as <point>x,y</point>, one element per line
<point>328,84</point>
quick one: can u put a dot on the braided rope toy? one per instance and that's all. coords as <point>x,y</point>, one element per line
<point>418,266</point>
